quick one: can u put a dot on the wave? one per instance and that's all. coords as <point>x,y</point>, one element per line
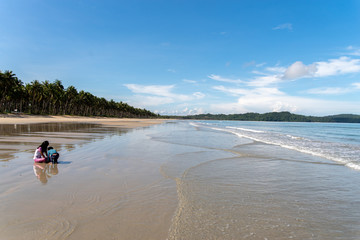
<point>345,154</point>
<point>245,129</point>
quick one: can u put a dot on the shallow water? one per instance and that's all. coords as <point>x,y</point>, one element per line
<point>174,181</point>
<point>106,186</point>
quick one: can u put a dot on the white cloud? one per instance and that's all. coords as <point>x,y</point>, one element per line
<point>355,51</point>
<point>189,81</point>
<point>273,100</point>
<point>248,92</point>
<point>193,111</point>
<point>299,70</point>
<point>329,91</point>
<point>260,64</point>
<point>258,99</point>
<point>339,66</point>
<point>142,101</point>
<point>266,102</point>
<point>160,90</point>
<point>264,80</point>
<point>232,91</point>
<point>160,94</point>
<point>222,79</point>
<point>184,111</point>
<point>276,69</point>
<point>356,85</point>
<point>198,95</point>
<point>287,26</point>
<point>335,90</point>
<point>332,67</point>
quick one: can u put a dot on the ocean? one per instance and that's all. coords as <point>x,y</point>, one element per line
<point>182,180</point>
<point>338,142</point>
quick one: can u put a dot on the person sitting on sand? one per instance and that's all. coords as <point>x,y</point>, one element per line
<point>40,154</point>
<point>53,154</point>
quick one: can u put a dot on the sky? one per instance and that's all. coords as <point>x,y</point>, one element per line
<point>181,57</point>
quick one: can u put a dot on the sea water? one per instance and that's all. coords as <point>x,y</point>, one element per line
<point>185,180</point>
<point>339,142</point>
<point>265,180</point>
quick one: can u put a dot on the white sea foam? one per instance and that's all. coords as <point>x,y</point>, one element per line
<point>294,137</point>
<point>353,166</point>
<point>247,130</point>
<point>342,153</point>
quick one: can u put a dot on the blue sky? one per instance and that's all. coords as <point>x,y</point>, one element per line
<point>190,57</point>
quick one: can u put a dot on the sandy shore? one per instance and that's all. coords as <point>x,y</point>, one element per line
<point>107,184</point>
<point>116,122</point>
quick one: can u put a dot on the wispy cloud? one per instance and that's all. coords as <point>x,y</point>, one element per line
<point>259,100</point>
<point>356,85</point>
<point>244,91</point>
<point>329,91</point>
<point>189,81</point>
<point>264,81</point>
<point>159,90</point>
<point>355,51</point>
<point>297,70</point>
<point>339,66</point>
<point>253,63</point>
<point>222,79</point>
<point>273,100</point>
<point>284,26</point>
<point>335,90</point>
<point>332,67</point>
<point>152,95</point>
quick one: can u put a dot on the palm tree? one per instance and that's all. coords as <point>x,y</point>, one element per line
<point>52,98</point>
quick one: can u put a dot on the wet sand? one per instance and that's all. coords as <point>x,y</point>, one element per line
<point>12,124</point>
<point>118,122</point>
<point>169,181</point>
<point>101,188</point>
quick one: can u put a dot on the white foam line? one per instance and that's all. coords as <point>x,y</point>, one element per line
<point>347,164</point>
<point>247,130</point>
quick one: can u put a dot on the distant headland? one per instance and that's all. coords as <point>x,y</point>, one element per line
<point>276,117</point>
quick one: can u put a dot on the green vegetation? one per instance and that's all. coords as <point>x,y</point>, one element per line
<point>277,117</point>
<point>52,98</point>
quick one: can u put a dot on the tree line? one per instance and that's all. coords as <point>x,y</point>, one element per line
<point>52,98</point>
<point>277,117</point>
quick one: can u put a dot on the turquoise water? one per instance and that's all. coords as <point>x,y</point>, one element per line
<point>338,142</point>
<point>256,180</point>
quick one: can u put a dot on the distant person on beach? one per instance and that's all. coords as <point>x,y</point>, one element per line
<point>40,154</point>
<point>52,154</point>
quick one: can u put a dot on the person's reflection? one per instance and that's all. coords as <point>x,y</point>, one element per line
<point>44,171</point>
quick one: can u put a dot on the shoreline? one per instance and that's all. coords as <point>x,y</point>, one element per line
<point>108,121</point>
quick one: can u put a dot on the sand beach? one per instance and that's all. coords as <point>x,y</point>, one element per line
<point>118,122</point>
<point>156,179</point>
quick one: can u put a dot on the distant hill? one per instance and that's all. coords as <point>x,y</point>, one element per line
<point>350,118</point>
<point>276,117</point>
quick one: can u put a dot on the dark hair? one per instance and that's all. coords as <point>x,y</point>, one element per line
<point>44,146</point>
<point>50,148</point>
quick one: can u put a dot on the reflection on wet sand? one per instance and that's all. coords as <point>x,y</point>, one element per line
<point>112,188</point>
<point>44,171</point>
<point>15,138</point>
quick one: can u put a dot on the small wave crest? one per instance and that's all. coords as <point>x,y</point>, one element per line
<point>246,129</point>
<point>345,154</point>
